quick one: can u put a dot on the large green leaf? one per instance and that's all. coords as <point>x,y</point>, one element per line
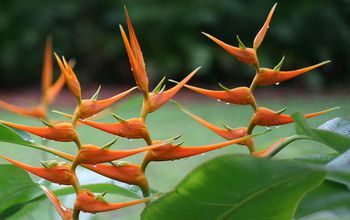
<point>332,139</point>
<point>328,196</point>
<point>238,187</point>
<point>16,187</point>
<point>11,135</point>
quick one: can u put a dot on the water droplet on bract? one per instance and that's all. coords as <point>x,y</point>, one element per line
<point>227,103</point>
<point>277,83</point>
<point>56,156</point>
<point>218,100</point>
<point>93,115</point>
<point>94,165</point>
<point>268,127</point>
<point>268,27</point>
<point>277,126</point>
<point>129,139</point>
<point>44,139</point>
<point>202,154</point>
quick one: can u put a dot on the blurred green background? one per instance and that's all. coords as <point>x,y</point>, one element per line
<point>306,32</point>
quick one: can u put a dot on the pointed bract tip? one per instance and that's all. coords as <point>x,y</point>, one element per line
<point>325,62</point>
<point>224,87</point>
<point>159,85</point>
<point>173,81</point>
<point>279,65</point>
<point>240,43</point>
<point>95,96</point>
<point>118,118</point>
<point>281,110</point>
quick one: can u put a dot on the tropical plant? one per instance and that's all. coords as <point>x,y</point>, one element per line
<point>251,186</point>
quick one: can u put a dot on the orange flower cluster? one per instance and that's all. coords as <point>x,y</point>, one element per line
<point>101,159</point>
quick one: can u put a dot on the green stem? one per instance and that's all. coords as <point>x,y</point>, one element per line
<point>289,140</point>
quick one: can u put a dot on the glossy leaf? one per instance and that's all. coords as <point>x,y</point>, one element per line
<point>336,141</point>
<point>232,187</point>
<point>16,188</point>
<point>328,196</point>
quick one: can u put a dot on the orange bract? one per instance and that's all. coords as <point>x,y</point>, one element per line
<point>60,174</point>
<point>90,107</point>
<point>65,213</point>
<point>174,151</point>
<point>245,55</point>
<point>63,131</point>
<point>157,100</point>
<point>268,77</point>
<point>267,117</point>
<point>135,56</point>
<point>88,202</point>
<point>71,79</point>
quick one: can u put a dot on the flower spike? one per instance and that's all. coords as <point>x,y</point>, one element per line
<point>65,213</point>
<point>245,55</point>
<point>157,100</point>
<point>63,131</point>
<point>88,202</point>
<point>239,95</point>
<point>268,77</point>
<point>60,174</point>
<point>268,117</point>
<point>262,32</point>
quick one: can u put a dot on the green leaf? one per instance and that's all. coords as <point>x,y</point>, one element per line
<point>328,196</point>
<point>16,188</point>
<point>334,140</point>
<point>15,136</point>
<point>339,169</point>
<point>232,187</point>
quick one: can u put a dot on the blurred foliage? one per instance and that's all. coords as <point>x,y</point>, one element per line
<point>306,32</point>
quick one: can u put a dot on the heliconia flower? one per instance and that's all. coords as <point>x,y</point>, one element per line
<point>64,212</point>
<point>175,151</point>
<point>262,32</point>
<point>59,173</point>
<point>63,131</point>
<point>90,107</point>
<point>87,201</point>
<point>37,111</point>
<point>91,154</point>
<point>122,171</point>
<point>134,128</point>
<point>227,132</point>
<point>267,117</point>
<point>71,79</point>
<point>242,53</point>
<point>267,77</point>
<point>158,99</point>
<point>135,56</point>
<point>239,95</point>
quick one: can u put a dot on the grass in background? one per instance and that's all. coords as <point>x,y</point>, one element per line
<point>168,122</point>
